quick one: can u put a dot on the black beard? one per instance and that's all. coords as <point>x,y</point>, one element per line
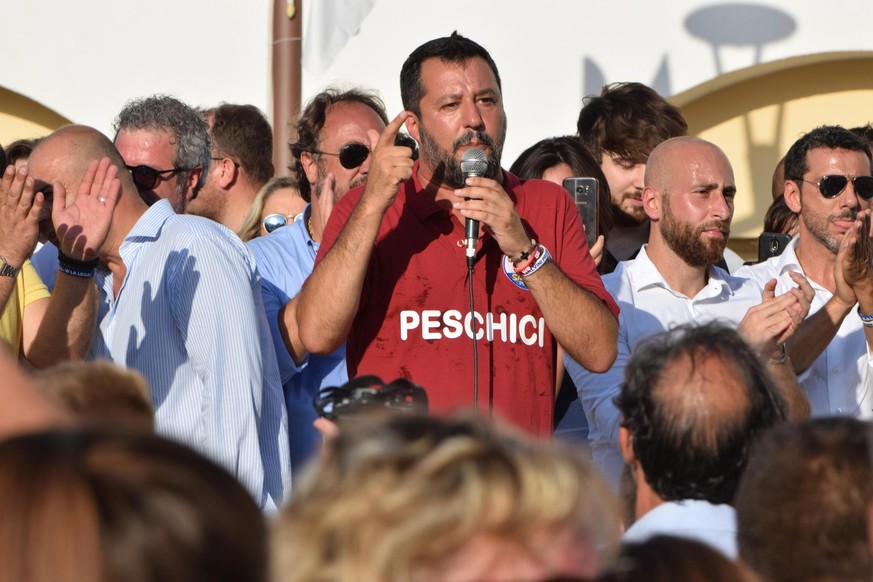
<point>452,173</point>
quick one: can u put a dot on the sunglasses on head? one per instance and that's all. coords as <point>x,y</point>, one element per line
<point>350,155</point>
<point>147,177</point>
<point>833,185</point>
<point>276,221</point>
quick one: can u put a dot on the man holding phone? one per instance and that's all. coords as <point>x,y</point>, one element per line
<point>828,183</point>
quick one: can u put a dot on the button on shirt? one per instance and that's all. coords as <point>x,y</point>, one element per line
<point>188,316</point>
<point>838,382</point>
<point>648,306</point>
<point>285,258</point>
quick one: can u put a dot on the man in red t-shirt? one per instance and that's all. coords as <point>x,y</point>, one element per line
<point>391,277</point>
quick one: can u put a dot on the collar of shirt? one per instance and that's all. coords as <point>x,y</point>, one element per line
<point>644,274</point>
<point>423,205</point>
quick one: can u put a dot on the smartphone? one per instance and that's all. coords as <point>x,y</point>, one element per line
<point>584,192</point>
<point>771,244</point>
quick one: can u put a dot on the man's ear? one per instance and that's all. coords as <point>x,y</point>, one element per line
<point>191,181</point>
<point>412,126</point>
<point>226,172</point>
<point>309,167</point>
<point>652,203</point>
<point>792,196</point>
<point>626,444</point>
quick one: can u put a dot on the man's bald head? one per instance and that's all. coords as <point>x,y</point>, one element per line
<point>70,149</point>
<point>671,156</point>
<point>693,400</point>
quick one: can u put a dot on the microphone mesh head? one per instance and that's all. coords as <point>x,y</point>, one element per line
<point>474,162</point>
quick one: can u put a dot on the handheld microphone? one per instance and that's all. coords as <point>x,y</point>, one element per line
<point>474,164</point>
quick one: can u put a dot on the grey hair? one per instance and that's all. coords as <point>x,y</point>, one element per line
<point>165,113</point>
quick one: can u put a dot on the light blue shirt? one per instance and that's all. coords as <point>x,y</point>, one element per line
<point>648,306</point>
<point>285,258</point>
<point>188,316</point>
<point>702,521</point>
<point>45,261</point>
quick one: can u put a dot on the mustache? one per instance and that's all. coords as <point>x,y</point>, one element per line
<point>848,214</point>
<point>716,225</point>
<point>467,139</point>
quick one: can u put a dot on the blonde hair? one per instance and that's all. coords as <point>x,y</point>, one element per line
<point>251,225</point>
<point>407,494</point>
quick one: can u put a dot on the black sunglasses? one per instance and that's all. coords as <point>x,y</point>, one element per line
<point>833,185</point>
<point>147,177</point>
<point>275,221</point>
<point>350,155</point>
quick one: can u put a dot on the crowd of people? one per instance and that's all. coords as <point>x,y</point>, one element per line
<point>647,407</point>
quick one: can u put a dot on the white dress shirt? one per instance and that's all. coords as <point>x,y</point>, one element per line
<point>838,382</point>
<point>648,306</point>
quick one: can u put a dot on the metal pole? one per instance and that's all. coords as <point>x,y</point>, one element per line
<point>287,51</point>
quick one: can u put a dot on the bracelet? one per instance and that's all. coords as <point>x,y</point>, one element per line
<point>867,320</point>
<point>543,256</point>
<point>525,255</point>
<point>76,268</point>
<point>782,358</point>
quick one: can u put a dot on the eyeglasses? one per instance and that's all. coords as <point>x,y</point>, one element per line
<point>276,221</point>
<point>350,155</point>
<point>833,185</point>
<point>147,177</point>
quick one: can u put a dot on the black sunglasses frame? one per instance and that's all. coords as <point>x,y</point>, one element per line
<point>351,155</point>
<point>863,185</point>
<point>147,177</point>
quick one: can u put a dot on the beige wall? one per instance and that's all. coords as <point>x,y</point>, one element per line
<point>756,114</point>
<point>21,117</point>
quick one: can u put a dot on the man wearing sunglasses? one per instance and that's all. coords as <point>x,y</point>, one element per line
<point>166,147</point>
<point>393,270</point>
<point>180,302</point>
<point>331,155</point>
<point>828,184</point>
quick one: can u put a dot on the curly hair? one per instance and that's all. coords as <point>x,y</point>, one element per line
<point>687,446</point>
<point>189,132</point>
<point>312,120</point>
<point>404,494</point>
<point>628,120</point>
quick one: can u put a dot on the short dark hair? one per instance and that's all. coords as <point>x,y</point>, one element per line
<point>832,137</point>
<point>20,149</point>
<point>449,49</point>
<point>553,151</point>
<point>802,503</point>
<point>780,218</point>
<point>629,120</point>
<point>243,133</point>
<point>694,453</point>
<point>311,122</point>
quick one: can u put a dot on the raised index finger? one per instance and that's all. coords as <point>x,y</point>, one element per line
<point>391,131</point>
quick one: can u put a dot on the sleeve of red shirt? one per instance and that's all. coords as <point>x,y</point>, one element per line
<point>571,247</point>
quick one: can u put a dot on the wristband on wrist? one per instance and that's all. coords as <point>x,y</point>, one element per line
<point>867,320</point>
<point>783,356</point>
<point>542,257</point>
<point>525,256</point>
<point>75,267</point>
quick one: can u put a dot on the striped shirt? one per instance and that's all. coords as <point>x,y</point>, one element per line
<point>189,317</point>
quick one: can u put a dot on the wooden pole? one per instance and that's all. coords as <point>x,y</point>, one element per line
<point>287,52</point>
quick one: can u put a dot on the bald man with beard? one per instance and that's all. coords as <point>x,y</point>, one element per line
<point>689,198</point>
<point>180,302</point>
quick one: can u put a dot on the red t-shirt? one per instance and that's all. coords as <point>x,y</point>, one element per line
<point>414,315</point>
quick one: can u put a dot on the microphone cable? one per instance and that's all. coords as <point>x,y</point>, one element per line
<point>475,341</point>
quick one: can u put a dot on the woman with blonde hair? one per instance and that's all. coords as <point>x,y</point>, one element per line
<point>277,203</point>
